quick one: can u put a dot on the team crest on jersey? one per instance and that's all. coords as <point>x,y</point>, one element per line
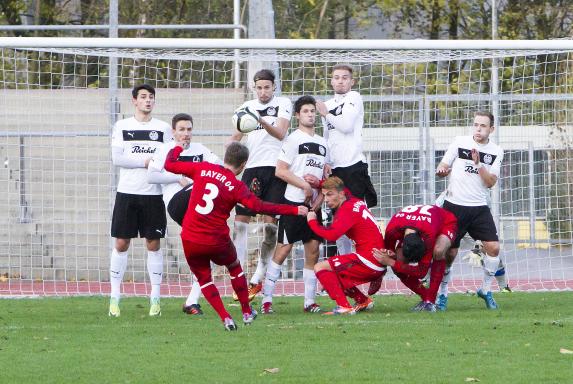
<point>272,111</point>
<point>339,110</point>
<point>153,135</point>
<point>322,150</point>
<point>487,159</point>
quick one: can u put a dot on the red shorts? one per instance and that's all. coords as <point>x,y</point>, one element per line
<point>352,271</point>
<point>200,256</point>
<point>450,226</point>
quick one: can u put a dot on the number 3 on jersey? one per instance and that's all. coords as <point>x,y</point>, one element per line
<point>211,192</point>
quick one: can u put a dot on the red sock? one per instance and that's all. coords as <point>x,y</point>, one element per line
<point>330,282</point>
<point>436,275</point>
<point>239,283</point>
<point>210,292</point>
<point>414,284</point>
<point>356,294</point>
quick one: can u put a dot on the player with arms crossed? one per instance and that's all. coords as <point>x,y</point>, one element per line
<point>177,188</point>
<point>264,145</point>
<point>419,234</point>
<point>303,153</point>
<point>138,205</point>
<point>205,233</point>
<point>342,119</point>
<point>473,164</point>
<point>340,275</point>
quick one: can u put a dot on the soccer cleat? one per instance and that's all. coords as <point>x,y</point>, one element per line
<point>488,298</point>
<point>505,289</point>
<point>428,307</point>
<point>155,309</point>
<point>365,306</point>
<point>248,318</point>
<point>338,310</point>
<point>114,308</point>
<point>193,309</point>
<point>312,308</point>
<point>254,289</point>
<point>418,307</point>
<point>267,308</point>
<point>442,303</point>
<point>229,324</point>
<point>375,286</point>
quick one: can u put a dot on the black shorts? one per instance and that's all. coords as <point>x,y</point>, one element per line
<point>143,214</point>
<point>264,184</point>
<point>295,228</point>
<point>178,204</point>
<point>357,180</point>
<point>476,221</point>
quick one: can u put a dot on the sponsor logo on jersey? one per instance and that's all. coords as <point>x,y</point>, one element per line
<point>142,135</point>
<point>269,111</point>
<point>142,149</point>
<point>312,148</point>
<point>314,163</point>
<point>471,169</point>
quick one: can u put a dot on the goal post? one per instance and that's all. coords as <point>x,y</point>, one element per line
<point>56,182</point>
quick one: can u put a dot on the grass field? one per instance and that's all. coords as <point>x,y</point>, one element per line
<point>72,340</point>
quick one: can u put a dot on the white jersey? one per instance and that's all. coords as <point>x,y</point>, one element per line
<point>304,154</point>
<point>465,186</point>
<point>196,152</point>
<point>139,141</point>
<point>263,148</point>
<point>343,129</point>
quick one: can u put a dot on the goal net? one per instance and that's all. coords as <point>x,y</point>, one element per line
<point>57,183</point>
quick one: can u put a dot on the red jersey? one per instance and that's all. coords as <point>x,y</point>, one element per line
<point>355,220</point>
<point>215,193</point>
<point>430,221</point>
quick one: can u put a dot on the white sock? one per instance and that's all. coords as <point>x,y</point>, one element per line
<point>500,275</point>
<point>490,265</point>
<point>240,240</point>
<point>309,278</point>
<point>273,273</point>
<point>344,245</point>
<point>194,295</point>
<point>443,290</point>
<point>155,271</point>
<point>267,249</point>
<point>117,267</point>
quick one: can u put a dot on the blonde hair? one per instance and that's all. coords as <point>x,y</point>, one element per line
<point>333,183</point>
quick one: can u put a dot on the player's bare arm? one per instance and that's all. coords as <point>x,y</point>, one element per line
<point>279,131</point>
<point>311,216</point>
<point>284,173</point>
<point>443,170</point>
<point>237,136</point>
<point>488,178</point>
<point>317,203</point>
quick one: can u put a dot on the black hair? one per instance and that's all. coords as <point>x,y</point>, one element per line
<point>138,88</point>
<point>413,247</point>
<point>264,74</point>
<point>236,154</point>
<point>181,117</point>
<point>303,100</point>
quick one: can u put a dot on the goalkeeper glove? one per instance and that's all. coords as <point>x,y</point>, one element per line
<point>474,258</point>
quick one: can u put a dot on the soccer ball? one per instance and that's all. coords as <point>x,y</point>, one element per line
<point>245,119</point>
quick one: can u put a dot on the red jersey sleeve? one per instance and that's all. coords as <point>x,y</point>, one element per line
<point>179,167</point>
<point>342,222</point>
<point>249,200</point>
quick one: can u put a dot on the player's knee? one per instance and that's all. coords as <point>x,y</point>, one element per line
<point>491,248</point>
<point>240,230</point>
<point>122,245</point>
<point>153,244</point>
